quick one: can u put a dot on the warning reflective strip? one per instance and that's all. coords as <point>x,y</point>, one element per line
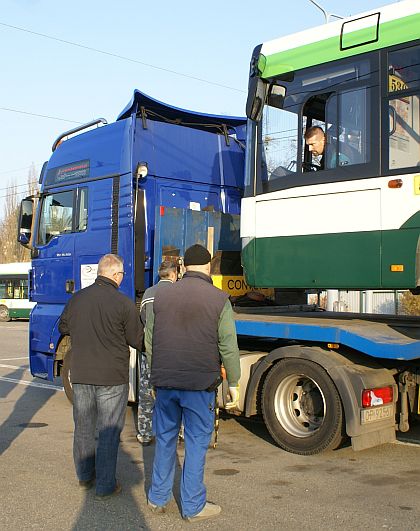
<point>31,384</point>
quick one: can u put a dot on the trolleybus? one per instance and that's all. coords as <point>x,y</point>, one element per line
<point>346,215</point>
<point>14,302</point>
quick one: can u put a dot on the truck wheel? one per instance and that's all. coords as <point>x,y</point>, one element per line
<point>4,314</point>
<point>66,377</point>
<point>302,408</point>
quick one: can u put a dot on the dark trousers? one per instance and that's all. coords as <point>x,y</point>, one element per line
<point>195,409</point>
<point>98,410</point>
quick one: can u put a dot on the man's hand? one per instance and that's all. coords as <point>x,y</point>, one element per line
<point>234,398</point>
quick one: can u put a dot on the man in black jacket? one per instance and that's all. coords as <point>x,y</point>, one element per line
<point>102,323</point>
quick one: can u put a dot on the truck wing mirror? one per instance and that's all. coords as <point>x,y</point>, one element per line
<point>25,221</point>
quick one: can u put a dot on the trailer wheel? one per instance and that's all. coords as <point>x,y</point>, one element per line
<point>4,314</point>
<point>302,408</point>
<point>66,376</point>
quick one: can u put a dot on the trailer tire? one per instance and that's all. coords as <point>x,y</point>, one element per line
<point>302,408</point>
<point>4,314</point>
<point>66,377</point>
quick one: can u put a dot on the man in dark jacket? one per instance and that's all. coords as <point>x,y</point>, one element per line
<point>193,332</point>
<point>102,323</point>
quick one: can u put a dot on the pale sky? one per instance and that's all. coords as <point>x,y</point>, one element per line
<point>211,40</point>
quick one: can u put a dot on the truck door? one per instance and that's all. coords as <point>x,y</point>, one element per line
<point>62,214</point>
<point>53,276</point>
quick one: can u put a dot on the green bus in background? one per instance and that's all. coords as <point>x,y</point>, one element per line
<point>14,302</point>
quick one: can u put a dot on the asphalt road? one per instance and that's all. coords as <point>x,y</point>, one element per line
<point>258,485</point>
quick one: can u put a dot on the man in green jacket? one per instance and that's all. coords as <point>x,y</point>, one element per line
<point>193,333</point>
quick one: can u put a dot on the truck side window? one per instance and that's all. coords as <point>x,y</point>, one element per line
<point>82,210</point>
<point>56,215</point>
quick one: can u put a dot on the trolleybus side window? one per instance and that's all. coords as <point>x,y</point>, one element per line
<point>404,108</point>
<point>280,137</point>
<point>338,99</point>
<point>347,135</point>
<point>13,288</point>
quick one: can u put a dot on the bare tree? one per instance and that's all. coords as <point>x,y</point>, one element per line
<point>10,249</point>
<point>32,180</point>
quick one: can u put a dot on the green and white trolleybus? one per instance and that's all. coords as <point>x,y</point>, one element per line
<point>348,217</point>
<point>14,301</point>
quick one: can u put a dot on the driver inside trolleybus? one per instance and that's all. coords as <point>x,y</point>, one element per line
<point>316,142</point>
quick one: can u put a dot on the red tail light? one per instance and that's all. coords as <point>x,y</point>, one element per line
<point>377,397</point>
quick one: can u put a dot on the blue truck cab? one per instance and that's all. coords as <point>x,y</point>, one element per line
<point>100,192</point>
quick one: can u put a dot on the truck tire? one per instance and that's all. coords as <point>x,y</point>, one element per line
<point>302,408</point>
<point>66,377</point>
<point>4,314</point>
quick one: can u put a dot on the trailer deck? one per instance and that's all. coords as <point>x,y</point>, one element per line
<point>392,337</point>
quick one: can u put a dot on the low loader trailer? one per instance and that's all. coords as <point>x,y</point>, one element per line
<point>316,377</point>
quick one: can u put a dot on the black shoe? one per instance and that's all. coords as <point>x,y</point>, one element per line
<point>115,492</point>
<point>86,484</point>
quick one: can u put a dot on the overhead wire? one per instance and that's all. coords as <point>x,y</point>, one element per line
<point>39,115</point>
<point>36,165</point>
<point>111,54</point>
<point>118,56</point>
<point>11,195</point>
<point>13,186</point>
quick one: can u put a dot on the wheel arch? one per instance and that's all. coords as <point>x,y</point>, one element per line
<point>325,358</point>
<point>350,373</point>
<point>63,347</point>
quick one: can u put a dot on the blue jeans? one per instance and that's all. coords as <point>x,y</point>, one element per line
<point>98,409</point>
<point>195,409</point>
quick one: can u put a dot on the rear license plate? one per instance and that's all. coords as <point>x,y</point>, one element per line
<point>376,413</point>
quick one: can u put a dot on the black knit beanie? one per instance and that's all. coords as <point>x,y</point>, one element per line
<point>196,255</point>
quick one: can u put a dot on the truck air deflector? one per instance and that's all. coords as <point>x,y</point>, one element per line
<point>168,112</point>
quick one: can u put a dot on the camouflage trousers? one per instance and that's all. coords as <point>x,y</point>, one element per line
<point>146,399</point>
